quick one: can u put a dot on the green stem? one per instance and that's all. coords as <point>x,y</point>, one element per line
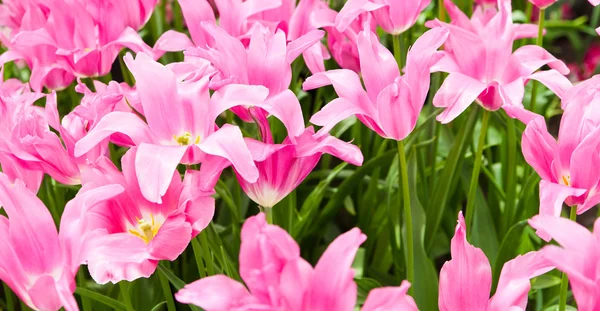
<point>164,283</point>
<point>87,304</point>
<point>397,43</point>
<point>210,270</point>
<point>124,286</point>
<point>564,282</point>
<point>410,262</point>
<point>476,169</point>
<point>441,10</point>
<point>539,42</point>
<point>10,303</point>
<point>269,214</point>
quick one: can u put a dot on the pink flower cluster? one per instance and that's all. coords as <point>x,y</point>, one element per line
<point>125,219</point>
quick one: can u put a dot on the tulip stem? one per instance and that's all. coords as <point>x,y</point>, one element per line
<point>124,286</point>
<point>539,42</point>
<point>564,282</point>
<point>397,42</point>
<point>476,169</point>
<point>86,304</point>
<point>403,180</point>
<point>269,214</point>
<point>164,283</point>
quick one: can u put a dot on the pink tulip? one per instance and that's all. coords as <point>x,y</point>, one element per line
<point>466,280</point>
<point>29,142</point>
<point>391,103</point>
<point>483,67</point>
<point>32,258</point>
<point>120,234</point>
<point>180,123</point>
<point>394,16</point>
<point>578,256</point>
<point>282,167</point>
<point>78,38</point>
<point>567,166</point>
<point>278,278</point>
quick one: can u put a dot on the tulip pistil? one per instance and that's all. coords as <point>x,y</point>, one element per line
<point>186,139</point>
<point>566,180</point>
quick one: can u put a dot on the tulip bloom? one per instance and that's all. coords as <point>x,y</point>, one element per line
<point>578,256</point>
<point>278,278</point>
<point>567,166</point>
<point>282,167</point>
<point>33,261</point>
<point>391,104</point>
<point>84,43</point>
<point>394,16</point>
<point>482,66</point>
<point>120,234</point>
<point>466,280</point>
<point>180,126</point>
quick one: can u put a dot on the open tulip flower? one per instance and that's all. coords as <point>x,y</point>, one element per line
<point>33,261</point>
<point>120,234</point>
<point>482,66</point>
<point>466,280</point>
<point>78,37</point>
<point>279,279</point>
<point>567,166</point>
<point>578,255</point>
<point>391,104</point>
<point>171,136</point>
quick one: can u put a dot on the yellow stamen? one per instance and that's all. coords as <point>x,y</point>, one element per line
<point>145,230</point>
<point>566,180</point>
<point>186,139</point>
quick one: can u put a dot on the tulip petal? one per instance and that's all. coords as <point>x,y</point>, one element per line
<point>456,94</point>
<point>552,197</point>
<point>154,168</point>
<point>216,292</point>
<point>171,240</point>
<point>390,298</point>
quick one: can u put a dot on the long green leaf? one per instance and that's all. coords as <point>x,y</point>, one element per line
<point>175,281</point>
<point>110,302</point>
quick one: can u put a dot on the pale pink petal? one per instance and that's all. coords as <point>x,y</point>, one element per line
<point>552,197</point>
<point>154,168</point>
<point>466,280</point>
<point>172,41</point>
<point>378,65</point>
<point>172,238</point>
<point>333,286</point>
<point>228,143</point>
<point>539,148</point>
<point>214,293</point>
<point>396,115</point>
<point>351,10</point>
<point>514,284</point>
<point>286,107</point>
<point>457,93</point>
<point>303,43</point>
<point>553,80</point>
<point>115,122</point>
<point>334,112</point>
<point>195,12</point>
<point>533,57</point>
<point>390,298</point>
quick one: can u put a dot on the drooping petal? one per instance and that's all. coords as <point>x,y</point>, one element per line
<point>552,197</point>
<point>228,143</point>
<point>154,168</point>
<point>456,94</point>
<point>466,280</point>
<point>214,293</point>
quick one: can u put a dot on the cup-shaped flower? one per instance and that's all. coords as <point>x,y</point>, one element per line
<point>278,278</point>
<point>391,103</point>
<point>120,234</point>
<point>466,280</point>
<point>33,261</point>
<point>394,16</point>
<point>482,66</point>
<point>282,167</point>
<point>567,166</point>
<point>578,256</point>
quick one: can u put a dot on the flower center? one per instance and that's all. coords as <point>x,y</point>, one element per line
<point>146,230</point>
<point>185,139</point>
<point>566,180</point>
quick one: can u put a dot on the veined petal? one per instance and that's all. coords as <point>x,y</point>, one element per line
<point>154,168</point>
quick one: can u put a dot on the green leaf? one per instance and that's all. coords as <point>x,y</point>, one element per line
<point>438,201</point>
<point>365,285</point>
<point>110,302</point>
<point>159,306</point>
<point>508,249</point>
<point>545,281</point>
<point>425,284</point>
<point>175,281</point>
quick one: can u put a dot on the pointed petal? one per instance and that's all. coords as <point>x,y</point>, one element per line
<point>466,280</point>
<point>533,57</point>
<point>553,80</point>
<point>154,168</point>
<point>378,65</point>
<point>390,298</point>
<point>539,148</point>
<point>303,43</point>
<point>216,292</point>
<point>228,143</point>
<point>194,13</point>
<point>457,93</point>
<point>552,197</point>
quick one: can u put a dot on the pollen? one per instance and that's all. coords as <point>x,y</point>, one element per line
<point>146,230</point>
<point>566,180</point>
<point>186,139</point>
